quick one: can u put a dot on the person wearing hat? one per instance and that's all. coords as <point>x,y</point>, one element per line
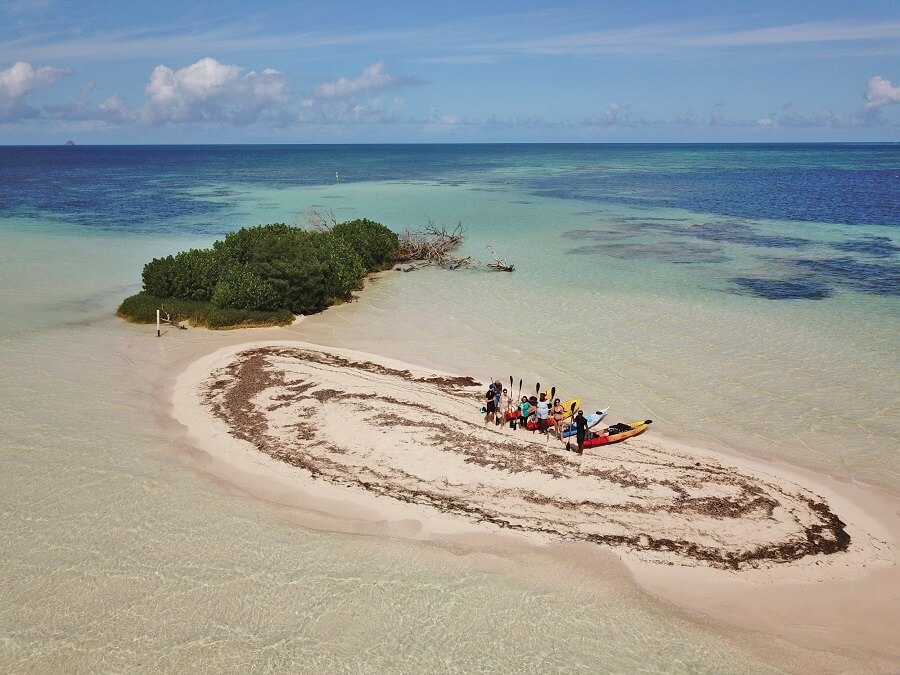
<point>490,406</point>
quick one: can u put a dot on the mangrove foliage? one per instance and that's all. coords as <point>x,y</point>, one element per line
<point>264,275</point>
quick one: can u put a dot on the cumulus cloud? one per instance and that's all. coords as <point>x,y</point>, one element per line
<point>17,81</point>
<point>361,100</point>
<point>209,91</point>
<point>114,110</point>
<point>377,110</point>
<point>614,115</point>
<point>373,78</point>
<point>880,92</point>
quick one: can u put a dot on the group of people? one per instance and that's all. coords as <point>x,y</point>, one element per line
<point>532,412</point>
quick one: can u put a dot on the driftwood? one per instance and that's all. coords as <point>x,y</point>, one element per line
<point>321,221</point>
<point>499,263</point>
<point>431,246</point>
<point>434,246</point>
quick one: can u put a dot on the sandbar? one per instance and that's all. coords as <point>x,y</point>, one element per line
<point>394,449</point>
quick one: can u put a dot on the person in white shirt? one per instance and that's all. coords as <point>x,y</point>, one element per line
<point>543,413</point>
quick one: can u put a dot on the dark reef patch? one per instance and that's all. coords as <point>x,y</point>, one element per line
<point>741,233</point>
<point>882,278</point>
<point>681,253</point>
<point>881,247</point>
<point>783,289</point>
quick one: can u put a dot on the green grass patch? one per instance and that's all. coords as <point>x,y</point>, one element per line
<point>141,308</point>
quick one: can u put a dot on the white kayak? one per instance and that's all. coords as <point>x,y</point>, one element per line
<point>593,419</point>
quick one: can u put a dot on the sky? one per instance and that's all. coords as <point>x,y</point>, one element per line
<point>279,71</point>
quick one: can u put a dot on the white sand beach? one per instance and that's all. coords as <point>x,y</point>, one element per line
<point>366,444</point>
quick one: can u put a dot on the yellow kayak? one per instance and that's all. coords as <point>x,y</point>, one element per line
<point>567,405</point>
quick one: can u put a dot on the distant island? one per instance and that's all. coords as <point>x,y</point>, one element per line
<point>69,143</point>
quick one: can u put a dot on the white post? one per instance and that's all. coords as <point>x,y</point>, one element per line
<point>157,323</point>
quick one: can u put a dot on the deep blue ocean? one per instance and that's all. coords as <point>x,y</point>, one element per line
<point>835,183</point>
<point>197,190</point>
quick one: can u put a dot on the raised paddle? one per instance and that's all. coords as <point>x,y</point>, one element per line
<point>550,404</point>
<point>572,426</point>
<point>552,396</point>
<point>508,406</point>
<point>519,405</point>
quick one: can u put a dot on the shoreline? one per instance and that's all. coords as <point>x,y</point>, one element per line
<point>851,587</point>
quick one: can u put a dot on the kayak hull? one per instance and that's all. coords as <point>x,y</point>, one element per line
<point>592,420</point>
<point>637,428</point>
<point>570,407</point>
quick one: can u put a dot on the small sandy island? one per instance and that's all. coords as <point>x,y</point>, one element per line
<point>406,443</point>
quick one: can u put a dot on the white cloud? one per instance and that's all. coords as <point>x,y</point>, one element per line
<point>373,78</point>
<point>880,92</point>
<point>17,81</point>
<point>376,110</point>
<point>355,101</point>
<point>28,6</point>
<point>209,91</point>
<point>116,109</point>
<point>615,114</point>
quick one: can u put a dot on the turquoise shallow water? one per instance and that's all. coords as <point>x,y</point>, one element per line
<point>120,555</point>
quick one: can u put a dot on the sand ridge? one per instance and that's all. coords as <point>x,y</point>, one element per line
<point>388,429</point>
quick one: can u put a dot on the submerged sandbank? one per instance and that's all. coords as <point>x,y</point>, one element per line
<point>384,447</point>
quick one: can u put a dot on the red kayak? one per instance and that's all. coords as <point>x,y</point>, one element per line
<point>617,432</point>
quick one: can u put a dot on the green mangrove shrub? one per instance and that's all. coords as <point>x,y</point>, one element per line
<point>263,275</point>
<point>240,288</point>
<point>189,275</point>
<point>375,244</point>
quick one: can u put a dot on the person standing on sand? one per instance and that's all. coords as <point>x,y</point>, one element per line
<point>580,430</point>
<point>524,412</point>
<point>558,414</point>
<point>490,406</point>
<point>543,413</point>
<point>504,406</point>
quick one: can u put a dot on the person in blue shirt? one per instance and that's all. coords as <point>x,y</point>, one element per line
<point>524,411</point>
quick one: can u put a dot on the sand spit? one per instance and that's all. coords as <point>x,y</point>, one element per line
<point>368,424</point>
